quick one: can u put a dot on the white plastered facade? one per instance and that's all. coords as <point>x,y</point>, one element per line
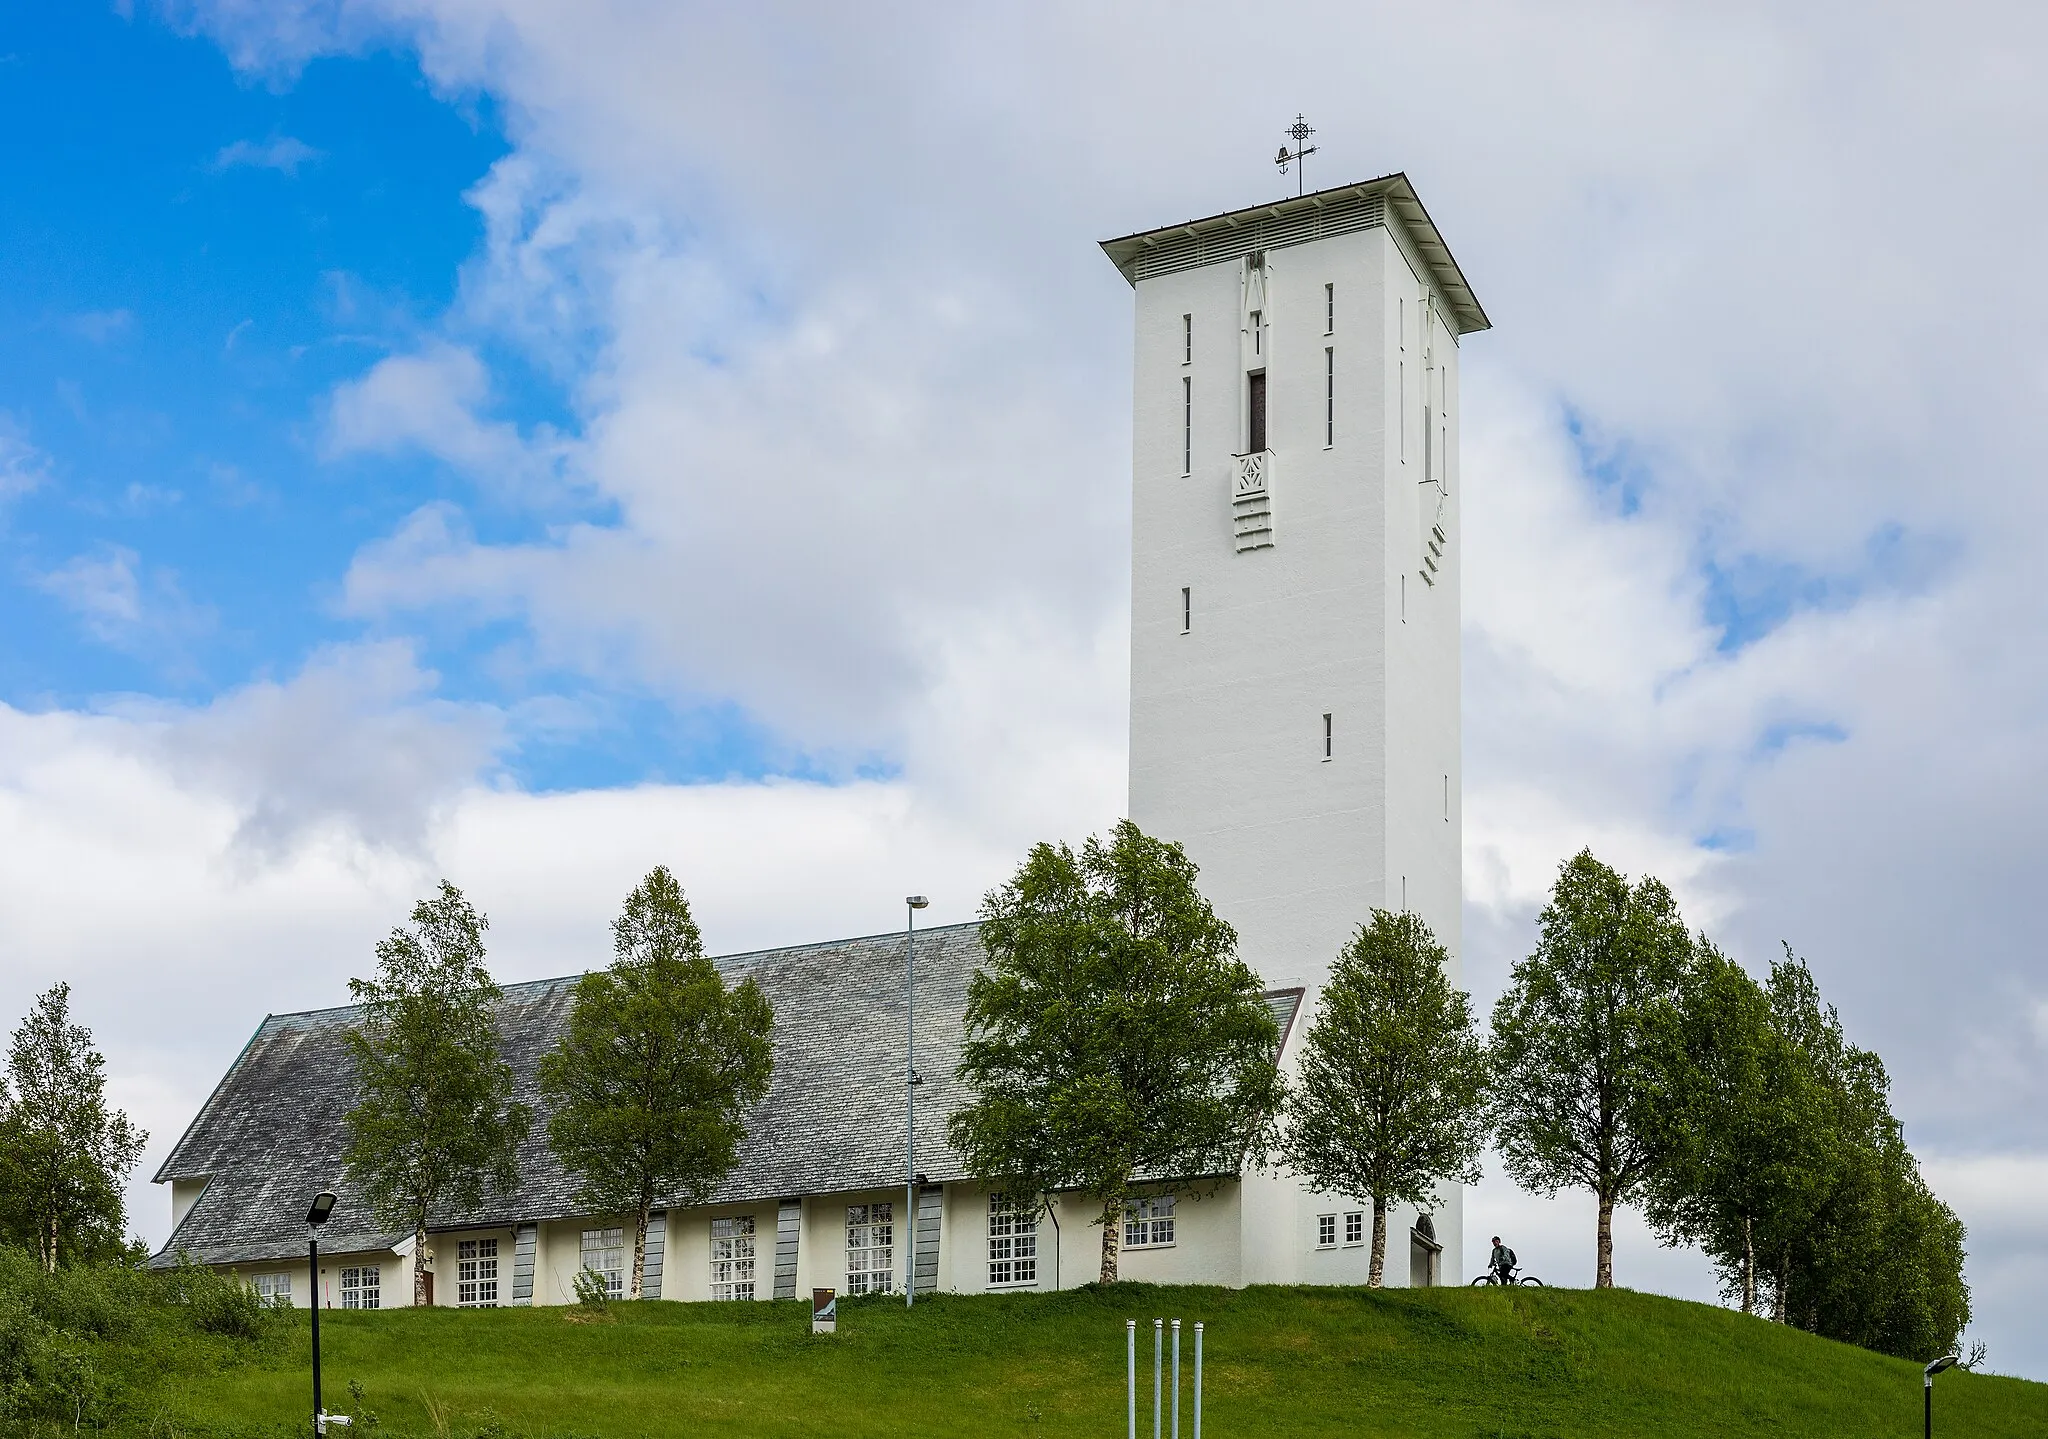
<point>1295,704</point>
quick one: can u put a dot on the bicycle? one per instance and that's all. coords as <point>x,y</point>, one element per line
<point>1490,1277</point>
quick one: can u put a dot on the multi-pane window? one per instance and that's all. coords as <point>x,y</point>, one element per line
<point>604,1254</point>
<point>1187,609</point>
<point>273,1286</point>
<point>362,1287</point>
<point>1354,1228</point>
<point>1148,1222</point>
<point>870,1248</point>
<point>732,1257</point>
<point>476,1273</point>
<point>1187,425</point>
<point>1330,309</point>
<point>1329,737</point>
<point>1012,1242</point>
<point>1258,333</point>
<point>1187,339</point>
<point>1326,1230</point>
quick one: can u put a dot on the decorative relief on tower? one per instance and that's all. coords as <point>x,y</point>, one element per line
<point>1251,501</point>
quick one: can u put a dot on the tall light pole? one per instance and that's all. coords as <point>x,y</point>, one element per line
<point>1947,1361</point>
<point>323,1205</point>
<point>912,904</point>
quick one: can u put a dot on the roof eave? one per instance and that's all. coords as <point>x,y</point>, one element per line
<point>1400,193</point>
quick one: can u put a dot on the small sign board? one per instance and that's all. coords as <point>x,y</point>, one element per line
<point>824,1311</point>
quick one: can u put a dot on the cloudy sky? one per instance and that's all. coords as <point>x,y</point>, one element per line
<point>526,440</point>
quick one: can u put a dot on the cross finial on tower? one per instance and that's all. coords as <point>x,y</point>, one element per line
<point>1299,132</point>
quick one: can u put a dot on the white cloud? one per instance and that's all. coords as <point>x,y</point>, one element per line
<point>123,603</point>
<point>100,326</point>
<point>23,467</point>
<point>281,153</point>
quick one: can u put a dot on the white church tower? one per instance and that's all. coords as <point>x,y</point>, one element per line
<point>1294,608</point>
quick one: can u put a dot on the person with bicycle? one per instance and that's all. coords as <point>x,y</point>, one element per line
<point>1501,1264</point>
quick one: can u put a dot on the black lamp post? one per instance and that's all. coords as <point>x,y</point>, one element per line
<point>323,1205</point>
<point>1947,1361</point>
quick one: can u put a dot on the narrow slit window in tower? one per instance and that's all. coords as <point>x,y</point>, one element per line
<point>1256,429</point>
<point>1329,737</point>
<point>1187,339</point>
<point>1329,396</point>
<point>1329,309</point>
<point>1187,425</point>
<point>1187,609</point>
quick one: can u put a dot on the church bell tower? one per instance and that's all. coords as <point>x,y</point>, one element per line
<point>1296,554</point>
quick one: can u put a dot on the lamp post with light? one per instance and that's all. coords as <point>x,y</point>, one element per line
<point>323,1205</point>
<point>1947,1361</point>
<point>912,904</point>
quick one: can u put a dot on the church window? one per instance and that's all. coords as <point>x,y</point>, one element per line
<point>1012,1242</point>
<point>870,1248</point>
<point>1329,738</point>
<point>1326,1231</point>
<point>1258,333</point>
<point>732,1257</point>
<point>274,1287</point>
<point>1329,309</point>
<point>1148,1223</point>
<point>1428,450</point>
<point>1187,425</point>
<point>1187,339</point>
<point>1401,406</point>
<point>603,1253</point>
<point>1329,396</point>
<point>1354,1227</point>
<point>1187,609</point>
<point>362,1287</point>
<point>1256,428</point>
<point>476,1273</point>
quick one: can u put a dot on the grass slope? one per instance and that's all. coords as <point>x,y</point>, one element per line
<point>1298,1362</point>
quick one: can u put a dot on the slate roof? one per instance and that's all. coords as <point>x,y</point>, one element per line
<point>271,1135</point>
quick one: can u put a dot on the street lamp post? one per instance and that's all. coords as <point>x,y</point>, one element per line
<point>1947,1361</point>
<point>913,903</point>
<point>323,1205</point>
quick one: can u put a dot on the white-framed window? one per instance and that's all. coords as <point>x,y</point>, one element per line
<point>1330,309</point>
<point>1187,609</point>
<point>1258,333</point>
<point>1187,425</point>
<point>272,1286</point>
<point>1187,339</point>
<point>603,1253</point>
<point>1326,1231</point>
<point>732,1257</point>
<point>870,1248</point>
<point>1012,1242</point>
<point>1354,1228</point>
<point>1148,1223</point>
<point>1329,396</point>
<point>1329,738</point>
<point>476,1273</point>
<point>362,1287</point>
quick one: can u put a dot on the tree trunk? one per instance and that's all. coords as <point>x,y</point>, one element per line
<point>639,1246</point>
<point>1603,1268</point>
<point>419,1265</point>
<point>1784,1278</point>
<point>1376,1275</point>
<point>1112,1230</point>
<point>1748,1265</point>
<point>50,1247</point>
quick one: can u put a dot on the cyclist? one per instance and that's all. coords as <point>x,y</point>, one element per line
<point>1501,1264</point>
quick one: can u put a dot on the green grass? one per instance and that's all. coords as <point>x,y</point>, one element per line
<point>1297,1362</point>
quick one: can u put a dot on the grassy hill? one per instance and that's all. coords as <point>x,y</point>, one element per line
<point>1296,1362</point>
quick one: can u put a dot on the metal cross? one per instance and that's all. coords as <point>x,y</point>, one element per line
<point>1299,132</point>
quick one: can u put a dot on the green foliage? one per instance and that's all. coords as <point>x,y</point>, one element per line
<point>1390,1097</point>
<point>64,1155</point>
<point>1871,1256</point>
<point>1572,1038</point>
<point>91,1345</point>
<point>1114,1035</point>
<point>591,1295</point>
<point>657,1067</point>
<point>434,1122</point>
<point>1308,1363</point>
<point>1739,1116</point>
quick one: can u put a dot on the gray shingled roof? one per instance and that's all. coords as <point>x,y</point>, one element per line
<point>271,1135</point>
